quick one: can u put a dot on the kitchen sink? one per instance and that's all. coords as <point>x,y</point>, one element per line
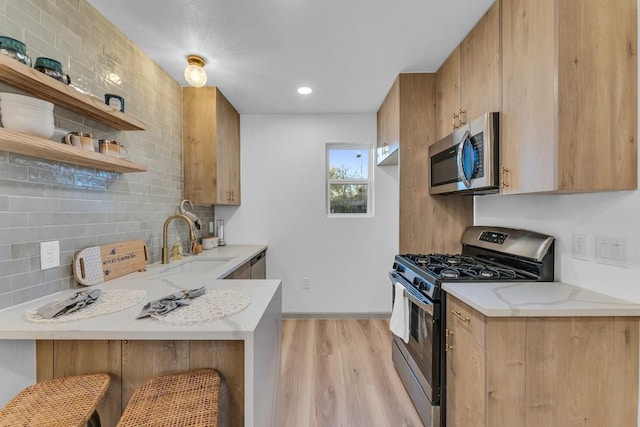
<point>196,265</point>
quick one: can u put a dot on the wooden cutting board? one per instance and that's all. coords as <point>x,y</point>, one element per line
<point>101,263</point>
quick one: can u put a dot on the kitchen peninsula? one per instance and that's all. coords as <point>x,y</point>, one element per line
<point>244,347</point>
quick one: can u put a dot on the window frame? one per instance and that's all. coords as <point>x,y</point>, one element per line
<point>369,181</point>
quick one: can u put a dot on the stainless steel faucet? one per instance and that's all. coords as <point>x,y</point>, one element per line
<point>192,235</point>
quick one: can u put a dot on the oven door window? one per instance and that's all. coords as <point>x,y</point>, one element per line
<point>421,337</point>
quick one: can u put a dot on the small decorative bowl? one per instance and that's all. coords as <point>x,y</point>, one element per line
<point>14,49</point>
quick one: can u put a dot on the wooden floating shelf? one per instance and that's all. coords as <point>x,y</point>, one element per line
<point>20,143</point>
<point>16,74</point>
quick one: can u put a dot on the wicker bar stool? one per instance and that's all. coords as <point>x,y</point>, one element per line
<point>61,402</point>
<point>184,399</point>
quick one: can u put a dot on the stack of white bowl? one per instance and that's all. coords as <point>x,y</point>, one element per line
<point>26,114</point>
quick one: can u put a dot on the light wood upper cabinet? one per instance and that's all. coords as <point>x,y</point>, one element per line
<point>211,147</point>
<point>480,81</point>
<point>448,95</point>
<point>389,127</point>
<point>468,82</point>
<point>569,96</point>
<point>421,213</point>
<point>562,371</point>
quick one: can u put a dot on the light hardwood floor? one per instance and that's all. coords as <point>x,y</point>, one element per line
<point>339,373</point>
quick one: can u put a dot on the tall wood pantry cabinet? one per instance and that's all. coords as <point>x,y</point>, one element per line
<point>427,223</point>
<point>211,147</point>
<point>468,82</point>
<point>569,96</point>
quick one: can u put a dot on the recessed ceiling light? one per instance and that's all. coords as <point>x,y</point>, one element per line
<point>304,90</point>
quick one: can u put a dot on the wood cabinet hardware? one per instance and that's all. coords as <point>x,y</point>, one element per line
<point>459,315</point>
<point>503,177</point>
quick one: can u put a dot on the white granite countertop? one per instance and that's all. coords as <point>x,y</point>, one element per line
<point>159,280</point>
<point>538,299</point>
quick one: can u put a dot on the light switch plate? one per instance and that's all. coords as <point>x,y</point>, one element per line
<point>612,251</point>
<point>49,254</point>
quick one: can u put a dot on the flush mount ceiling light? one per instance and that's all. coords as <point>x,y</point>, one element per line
<point>304,90</point>
<point>195,74</point>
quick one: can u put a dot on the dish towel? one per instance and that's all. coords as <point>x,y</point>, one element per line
<point>74,303</point>
<point>171,302</point>
<point>399,323</point>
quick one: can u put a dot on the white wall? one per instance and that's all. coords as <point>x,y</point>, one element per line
<point>615,214</point>
<point>283,205</point>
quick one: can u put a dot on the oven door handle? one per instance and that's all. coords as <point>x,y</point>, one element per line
<point>426,306</point>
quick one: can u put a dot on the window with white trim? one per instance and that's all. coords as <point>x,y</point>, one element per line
<point>349,177</point>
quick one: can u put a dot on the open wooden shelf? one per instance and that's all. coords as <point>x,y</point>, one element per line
<point>16,74</point>
<point>20,143</point>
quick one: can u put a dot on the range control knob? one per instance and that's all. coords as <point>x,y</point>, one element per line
<point>420,284</point>
<point>398,267</point>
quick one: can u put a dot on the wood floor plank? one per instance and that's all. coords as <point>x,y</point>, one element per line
<point>339,373</point>
<point>296,375</point>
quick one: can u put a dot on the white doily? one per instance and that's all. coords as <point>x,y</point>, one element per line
<point>215,304</point>
<point>109,302</point>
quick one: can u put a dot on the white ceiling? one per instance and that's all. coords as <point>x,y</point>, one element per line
<point>259,52</point>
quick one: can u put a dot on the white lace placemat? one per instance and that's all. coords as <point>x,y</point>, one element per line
<point>110,301</point>
<point>214,304</point>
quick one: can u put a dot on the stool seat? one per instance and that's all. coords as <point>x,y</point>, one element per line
<point>61,402</point>
<point>184,399</point>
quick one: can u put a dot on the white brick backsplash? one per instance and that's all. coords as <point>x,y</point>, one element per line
<point>80,206</point>
<point>11,28</point>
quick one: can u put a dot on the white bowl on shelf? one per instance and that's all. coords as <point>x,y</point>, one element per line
<point>30,125</point>
<point>13,99</point>
<point>24,110</point>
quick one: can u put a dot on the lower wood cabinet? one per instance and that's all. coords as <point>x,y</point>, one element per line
<point>132,363</point>
<point>526,371</point>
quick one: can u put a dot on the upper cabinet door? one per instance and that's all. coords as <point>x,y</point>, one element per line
<point>228,186</point>
<point>448,95</point>
<point>468,82</point>
<point>211,147</point>
<point>569,96</point>
<point>480,67</point>
<point>389,127</point>
<point>527,134</point>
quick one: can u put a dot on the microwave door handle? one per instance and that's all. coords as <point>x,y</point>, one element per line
<point>467,183</point>
<point>422,305</point>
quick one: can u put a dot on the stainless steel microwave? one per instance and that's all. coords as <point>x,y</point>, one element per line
<point>467,160</point>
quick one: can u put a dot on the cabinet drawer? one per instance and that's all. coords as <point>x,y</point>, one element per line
<point>461,317</point>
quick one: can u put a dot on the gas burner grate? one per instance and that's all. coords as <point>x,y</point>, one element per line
<point>447,266</point>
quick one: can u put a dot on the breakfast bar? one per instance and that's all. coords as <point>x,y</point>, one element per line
<point>244,347</point>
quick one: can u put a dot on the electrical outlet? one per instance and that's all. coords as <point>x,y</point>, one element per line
<point>579,247</point>
<point>210,227</point>
<point>612,251</point>
<point>306,283</point>
<point>49,254</point>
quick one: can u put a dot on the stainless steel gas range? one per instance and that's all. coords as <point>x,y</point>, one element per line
<point>488,253</point>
